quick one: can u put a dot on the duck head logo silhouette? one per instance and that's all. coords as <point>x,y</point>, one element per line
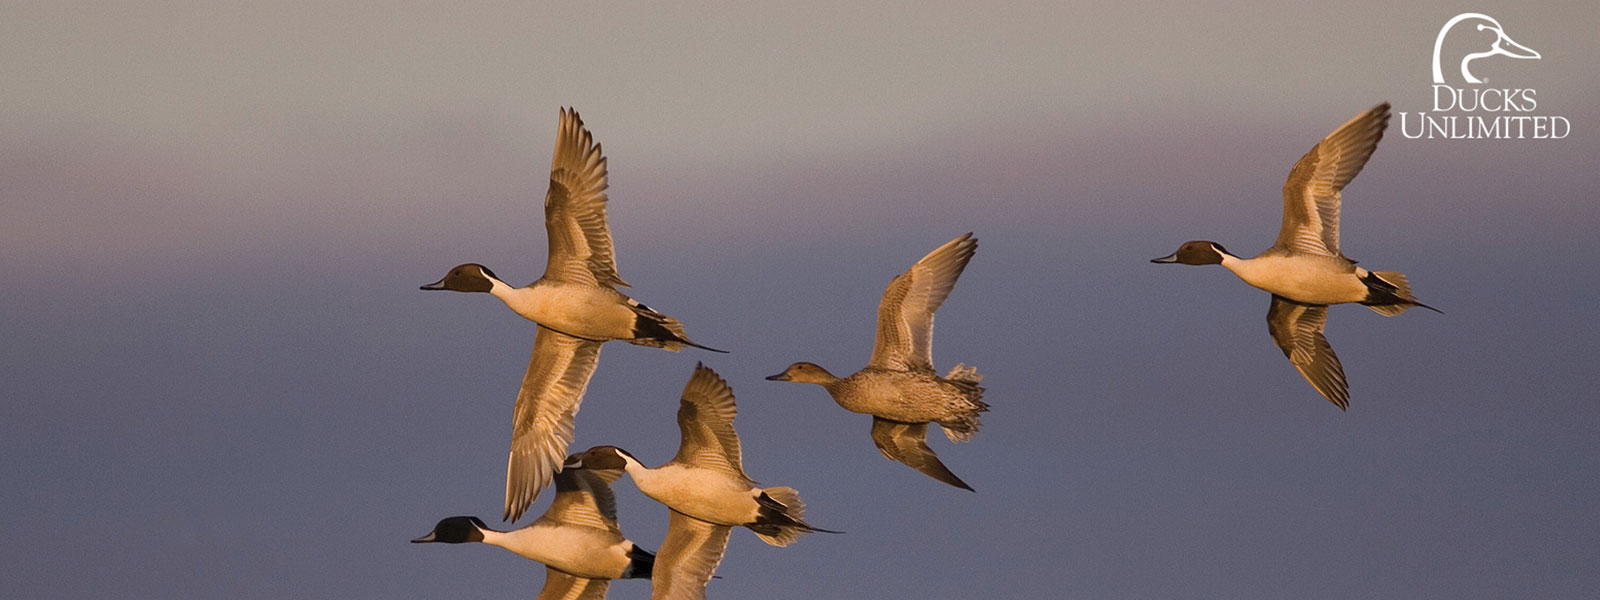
<point>1483,32</point>
<point>1467,109</point>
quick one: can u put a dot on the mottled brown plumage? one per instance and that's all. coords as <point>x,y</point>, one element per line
<point>899,387</point>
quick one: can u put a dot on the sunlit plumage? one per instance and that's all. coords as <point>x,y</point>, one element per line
<point>706,490</point>
<point>899,387</point>
<point>1305,270</point>
<point>577,305</point>
<point>577,538</point>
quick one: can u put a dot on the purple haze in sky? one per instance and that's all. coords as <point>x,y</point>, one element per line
<point>221,380</point>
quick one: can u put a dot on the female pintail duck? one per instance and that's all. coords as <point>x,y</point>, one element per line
<point>706,489</point>
<point>577,539</point>
<point>577,294</point>
<point>1305,270</point>
<point>899,387</point>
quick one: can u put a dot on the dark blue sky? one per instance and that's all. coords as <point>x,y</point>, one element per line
<point>221,381</point>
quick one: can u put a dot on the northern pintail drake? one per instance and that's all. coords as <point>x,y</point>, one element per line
<point>577,539</point>
<point>899,387</point>
<point>577,294</point>
<point>706,489</point>
<point>1305,271</point>
<point>577,307</point>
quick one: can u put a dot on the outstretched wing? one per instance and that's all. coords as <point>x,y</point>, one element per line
<point>584,499</point>
<point>1311,193</point>
<point>575,209</point>
<point>905,315</point>
<point>561,586</point>
<point>689,556</point>
<point>552,389</point>
<point>1297,328</point>
<point>907,443</point>
<point>705,416</point>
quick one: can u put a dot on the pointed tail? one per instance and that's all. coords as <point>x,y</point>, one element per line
<point>641,563</point>
<point>657,330</point>
<point>1389,293</point>
<point>781,520</point>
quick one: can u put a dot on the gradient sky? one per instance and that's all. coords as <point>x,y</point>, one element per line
<point>220,379</point>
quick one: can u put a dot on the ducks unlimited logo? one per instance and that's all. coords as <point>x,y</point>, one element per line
<point>1472,109</point>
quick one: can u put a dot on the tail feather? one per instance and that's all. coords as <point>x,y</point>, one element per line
<point>657,330</point>
<point>964,424</point>
<point>781,519</point>
<point>641,563</point>
<point>1389,310</point>
<point>964,374</point>
<point>1389,293</point>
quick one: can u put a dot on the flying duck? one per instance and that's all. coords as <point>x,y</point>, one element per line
<point>899,387</point>
<point>706,490</point>
<point>577,295</point>
<point>577,539</point>
<point>576,306</point>
<point>1305,271</point>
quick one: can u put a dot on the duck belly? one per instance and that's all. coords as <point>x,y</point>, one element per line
<point>589,312</point>
<point>1304,279</point>
<point>899,396</point>
<point>705,494</point>
<point>582,551</point>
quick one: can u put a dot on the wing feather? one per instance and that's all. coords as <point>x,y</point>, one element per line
<point>908,443</point>
<point>575,209</point>
<point>1311,194</point>
<point>584,499</point>
<point>552,389</point>
<point>562,586</point>
<point>689,556</point>
<point>705,416</point>
<point>905,315</point>
<point>1297,328</point>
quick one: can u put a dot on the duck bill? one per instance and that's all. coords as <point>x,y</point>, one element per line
<point>572,463</point>
<point>1511,48</point>
<point>1166,260</point>
<point>437,285</point>
<point>424,539</point>
<point>778,377</point>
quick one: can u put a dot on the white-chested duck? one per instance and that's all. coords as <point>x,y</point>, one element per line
<point>706,489</point>
<point>577,539</point>
<point>578,293</point>
<point>1305,271</point>
<point>577,306</point>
